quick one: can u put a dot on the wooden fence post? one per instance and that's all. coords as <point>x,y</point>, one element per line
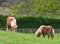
<point>23,31</point>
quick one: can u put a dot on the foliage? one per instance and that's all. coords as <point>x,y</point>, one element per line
<point>35,22</point>
<point>31,22</point>
<point>2,21</point>
<point>33,13</point>
<point>37,7</point>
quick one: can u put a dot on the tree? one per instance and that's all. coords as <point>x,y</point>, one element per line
<point>37,7</point>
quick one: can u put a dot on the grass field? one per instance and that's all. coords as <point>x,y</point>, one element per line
<point>20,38</point>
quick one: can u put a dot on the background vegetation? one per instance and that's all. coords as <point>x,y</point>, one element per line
<point>31,21</point>
<point>32,13</point>
<point>37,7</point>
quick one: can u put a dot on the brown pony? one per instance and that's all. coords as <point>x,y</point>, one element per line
<point>45,30</point>
<point>11,24</point>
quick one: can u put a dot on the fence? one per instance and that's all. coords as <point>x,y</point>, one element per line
<point>29,30</point>
<point>26,30</point>
<point>32,30</point>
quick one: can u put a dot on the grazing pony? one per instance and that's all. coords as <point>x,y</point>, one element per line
<point>45,30</point>
<point>11,24</point>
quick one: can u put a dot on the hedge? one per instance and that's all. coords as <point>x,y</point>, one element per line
<point>2,21</point>
<point>31,22</point>
<point>35,22</point>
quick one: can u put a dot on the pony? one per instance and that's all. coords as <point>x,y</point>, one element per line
<point>11,24</point>
<point>45,30</point>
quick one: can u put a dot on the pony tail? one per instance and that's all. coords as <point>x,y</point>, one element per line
<point>53,31</point>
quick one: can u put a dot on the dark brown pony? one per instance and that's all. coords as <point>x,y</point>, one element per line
<point>45,30</point>
<point>11,24</point>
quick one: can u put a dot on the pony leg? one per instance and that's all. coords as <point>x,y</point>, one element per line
<point>52,36</point>
<point>7,28</point>
<point>14,30</point>
<point>48,36</point>
<point>44,35</point>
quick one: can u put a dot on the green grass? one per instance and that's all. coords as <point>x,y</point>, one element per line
<point>21,38</point>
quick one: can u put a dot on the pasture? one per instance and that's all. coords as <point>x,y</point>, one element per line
<point>22,38</point>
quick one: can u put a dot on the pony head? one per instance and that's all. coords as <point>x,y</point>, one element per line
<point>39,31</point>
<point>38,34</point>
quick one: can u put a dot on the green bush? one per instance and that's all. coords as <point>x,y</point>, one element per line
<point>31,22</point>
<point>37,7</point>
<point>35,22</point>
<point>2,21</point>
